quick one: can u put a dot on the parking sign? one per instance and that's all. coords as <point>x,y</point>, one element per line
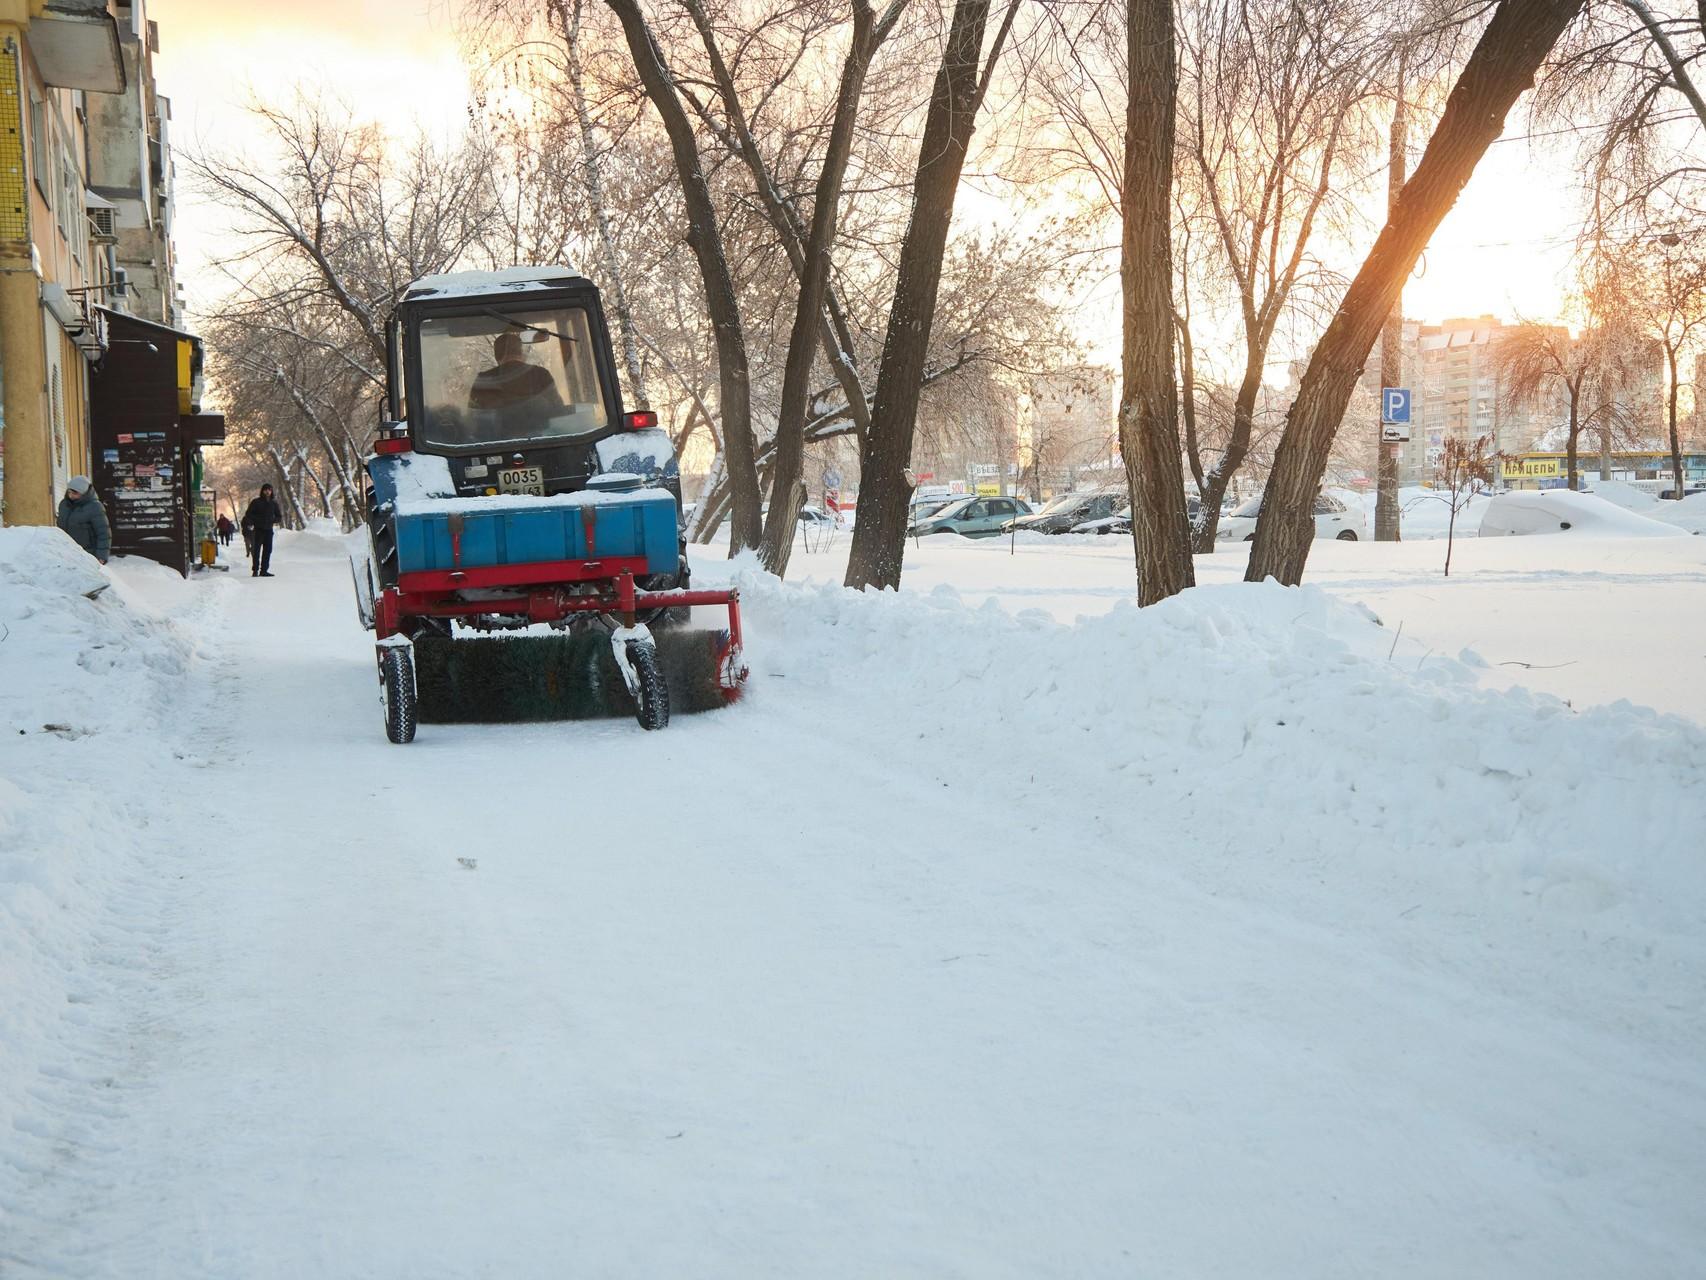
<point>1395,404</point>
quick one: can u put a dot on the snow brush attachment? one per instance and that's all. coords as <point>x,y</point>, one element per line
<point>565,676</point>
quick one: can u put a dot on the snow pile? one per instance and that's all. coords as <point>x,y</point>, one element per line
<point>1267,730</point>
<point>1560,511</point>
<point>82,660</point>
<point>419,476</point>
<point>1689,514</point>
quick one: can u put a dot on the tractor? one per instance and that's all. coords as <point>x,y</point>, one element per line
<point>526,557</point>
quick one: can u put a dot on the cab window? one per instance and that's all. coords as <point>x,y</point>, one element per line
<point>499,377</point>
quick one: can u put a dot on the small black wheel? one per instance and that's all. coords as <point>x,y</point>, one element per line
<point>397,688</point>
<point>1347,535</point>
<point>652,706</point>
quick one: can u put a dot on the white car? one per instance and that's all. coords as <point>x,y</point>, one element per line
<point>1333,519</point>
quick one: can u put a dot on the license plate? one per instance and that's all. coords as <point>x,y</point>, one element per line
<point>522,480</point>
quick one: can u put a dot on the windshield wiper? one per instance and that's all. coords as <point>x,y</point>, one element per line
<point>522,324</point>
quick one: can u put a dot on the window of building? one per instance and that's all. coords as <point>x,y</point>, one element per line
<point>71,213</point>
<point>38,148</point>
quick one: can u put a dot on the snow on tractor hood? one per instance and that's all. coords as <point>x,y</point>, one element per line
<point>647,453</point>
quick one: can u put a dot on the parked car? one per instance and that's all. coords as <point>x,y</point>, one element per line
<point>1333,519</point>
<point>972,517</point>
<point>1120,521</point>
<point>1688,491</point>
<point>1069,510</point>
<point>924,508</point>
<point>812,518</point>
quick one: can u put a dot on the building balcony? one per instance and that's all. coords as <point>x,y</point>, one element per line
<point>75,43</point>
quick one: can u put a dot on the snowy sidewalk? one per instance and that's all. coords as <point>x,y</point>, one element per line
<point>899,968</point>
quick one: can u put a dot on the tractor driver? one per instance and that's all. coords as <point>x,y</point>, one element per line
<point>522,390</point>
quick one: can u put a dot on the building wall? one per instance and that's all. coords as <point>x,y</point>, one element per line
<point>131,165</point>
<point>43,376</point>
<point>52,138</point>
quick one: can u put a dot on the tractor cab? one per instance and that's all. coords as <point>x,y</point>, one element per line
<point>509,377</point>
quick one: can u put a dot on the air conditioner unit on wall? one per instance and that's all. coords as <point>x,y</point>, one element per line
<point>101,227</point>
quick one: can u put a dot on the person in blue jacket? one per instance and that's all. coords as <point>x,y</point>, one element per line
<point>83,517</point>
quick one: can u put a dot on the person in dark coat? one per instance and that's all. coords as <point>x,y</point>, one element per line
<point>83,517</point>
<point>224,528</point>
<point>258,522</point>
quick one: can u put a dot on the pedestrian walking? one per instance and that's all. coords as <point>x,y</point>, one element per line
<point>224,528</point>
<point>258,523</point>
<point>83,517</point>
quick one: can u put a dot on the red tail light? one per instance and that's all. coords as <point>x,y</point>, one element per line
<point>639,420</point>
<point>393,438</point>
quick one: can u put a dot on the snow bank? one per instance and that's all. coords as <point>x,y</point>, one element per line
<point>1689,514</point>
<point>1266,730</point>
<point>1560,511</point>
<point>82,660</point>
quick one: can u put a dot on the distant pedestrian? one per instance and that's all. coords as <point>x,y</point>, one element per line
<point>258,522</point>
<point>224,528</point>
<point>83,517</point>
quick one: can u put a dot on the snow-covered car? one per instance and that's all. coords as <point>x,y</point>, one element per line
<point>1561,511</point>
<point>1119,522</point>
<point>972,517</point>
<point>1333,519</point>
<point>1064,513</point>
<point>813,518</point>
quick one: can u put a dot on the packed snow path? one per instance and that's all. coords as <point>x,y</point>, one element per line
<point>817,988</point>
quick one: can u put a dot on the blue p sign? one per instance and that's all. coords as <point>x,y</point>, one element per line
<point>1395,404</point>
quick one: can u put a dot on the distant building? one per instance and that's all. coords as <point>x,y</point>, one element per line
<point>1649,469</point>
<point>1068,432</point>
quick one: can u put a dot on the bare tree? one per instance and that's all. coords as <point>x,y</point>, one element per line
<point>1271,93</point>
<point>1466,468</point>
<point>1664,281</point>
<point>1511,49</point>
<point>704,236</point>
<point>962,80</point>
<point>1539,364</point>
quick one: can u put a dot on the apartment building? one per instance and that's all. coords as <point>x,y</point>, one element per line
<point>90,315</point>
<point>53,60</point>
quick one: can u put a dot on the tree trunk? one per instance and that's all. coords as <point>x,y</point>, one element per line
<point>787,493</point>
<point>1386,517</point>
<point>1675,438</point>
<point>1149,428</point>
<point>705,239</point>
<point>1502,66</point>
<point>879,536</point>
<point>1571,479</point>
<point>1213,485</point>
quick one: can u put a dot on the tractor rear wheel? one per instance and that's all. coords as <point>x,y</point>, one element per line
<point>651,707</point>
<point>397,688</point>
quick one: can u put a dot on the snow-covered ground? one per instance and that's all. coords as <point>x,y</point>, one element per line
<point>1240,936</point>
<point>1594,619</point>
